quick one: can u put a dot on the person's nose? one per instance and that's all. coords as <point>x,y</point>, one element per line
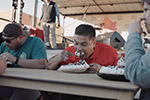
<point>143,16</point>
<point>78,48</point>
<point>6,43</point>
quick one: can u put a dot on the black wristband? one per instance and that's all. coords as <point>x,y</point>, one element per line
<point>17,59</point>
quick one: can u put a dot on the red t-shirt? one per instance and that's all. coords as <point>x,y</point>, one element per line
<point>103,54</point>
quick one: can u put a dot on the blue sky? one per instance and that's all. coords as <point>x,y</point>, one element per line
<point>28,8</point>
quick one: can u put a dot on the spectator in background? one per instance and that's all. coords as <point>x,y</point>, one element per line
<point>22,51</point>
<point>49,13</point>
<point>137,68</point>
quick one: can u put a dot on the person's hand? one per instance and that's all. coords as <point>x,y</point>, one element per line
<point>39,23</point>
<point>8,57</point>
<point>94,68</point>
<point>58,24</point>
<point>135,27</point>
<point>64,55</point>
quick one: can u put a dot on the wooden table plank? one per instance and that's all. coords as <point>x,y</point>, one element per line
<point>70,83</point>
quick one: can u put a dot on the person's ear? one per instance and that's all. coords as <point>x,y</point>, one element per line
<point>94,41</point>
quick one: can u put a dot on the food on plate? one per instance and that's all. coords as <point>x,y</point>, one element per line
<point>80,66</point>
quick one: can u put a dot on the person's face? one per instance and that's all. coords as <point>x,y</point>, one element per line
<point>146,15</point>
<point>85,45</point>
<point>12,42</point>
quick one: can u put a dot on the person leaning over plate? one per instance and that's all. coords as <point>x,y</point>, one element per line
<point>96,54</point>
<point>22,51</point>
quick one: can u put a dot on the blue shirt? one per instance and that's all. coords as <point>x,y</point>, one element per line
<point>33,48</point>
<point>137,68</point>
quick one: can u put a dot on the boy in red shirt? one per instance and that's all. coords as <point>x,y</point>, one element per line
<point>96,54</point>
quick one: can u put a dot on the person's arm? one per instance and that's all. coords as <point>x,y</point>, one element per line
<point>58,22</point>
<point>41,17</point>
<point>137,62</point>
<point>137,68</point>
<point>32,63</point>
<point>57,14</point>
<point>2,65</point>
<point>25,63</point>
<point>94,68</point>
<point>54,62</point>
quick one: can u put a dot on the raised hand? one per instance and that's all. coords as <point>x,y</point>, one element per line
<point>135,27</point>
<point>64,55</point>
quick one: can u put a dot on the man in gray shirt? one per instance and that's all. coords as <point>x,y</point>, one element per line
<point>137,68</point>
<point>49,13</point>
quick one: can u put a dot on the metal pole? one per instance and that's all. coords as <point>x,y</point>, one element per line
<point>13,14</point>
<point>19,12</point>
<point>35,13</point>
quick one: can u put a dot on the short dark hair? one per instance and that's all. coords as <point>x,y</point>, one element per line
<point>12,30</point>
<point>85,30</point>
<point>147,1</point>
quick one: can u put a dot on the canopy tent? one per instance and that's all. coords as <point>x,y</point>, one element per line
<point>81,7</point>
